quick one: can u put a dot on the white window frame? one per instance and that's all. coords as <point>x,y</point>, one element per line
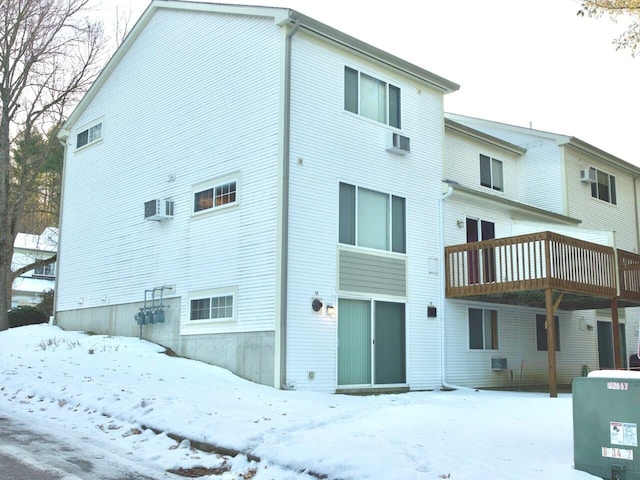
<point>209,325</point>
<point>611,193</point>
<point>394,244</point>
<point>496,184</point>
<point>486,328</point>
<point>213,185</point>
<point>92,136</point>
<point>46,271</point>
<point>388,87</point>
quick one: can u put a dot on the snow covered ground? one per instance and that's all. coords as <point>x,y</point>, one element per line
<point>114,390</point>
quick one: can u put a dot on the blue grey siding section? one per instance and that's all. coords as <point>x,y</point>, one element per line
<point>367,273</point>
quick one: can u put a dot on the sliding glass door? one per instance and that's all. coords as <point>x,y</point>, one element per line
<point>371,343</point>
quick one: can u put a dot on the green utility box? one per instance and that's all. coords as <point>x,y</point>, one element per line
<point>606,415</point>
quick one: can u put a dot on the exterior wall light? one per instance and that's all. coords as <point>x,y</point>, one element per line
<point>331,310</point>
<point>316,305</point>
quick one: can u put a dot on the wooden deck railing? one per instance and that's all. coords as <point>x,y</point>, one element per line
<point>534,262</point>
<point>629,269</point>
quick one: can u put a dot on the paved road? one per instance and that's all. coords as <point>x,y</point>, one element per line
<point>27,454</point>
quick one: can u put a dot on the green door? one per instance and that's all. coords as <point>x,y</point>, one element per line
<point>605,345</point>
<point>366,359</point>
<point>354,342</point>
<point>389,343</point>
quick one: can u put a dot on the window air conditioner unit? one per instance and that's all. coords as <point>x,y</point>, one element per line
<point>158,210</point>
<point>587,175</point>
<point>397,143</point>
<point>498,364</point>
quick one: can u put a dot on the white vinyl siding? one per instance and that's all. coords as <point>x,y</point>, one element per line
<point>333,147</point>
<point>526,365</point>
<point>463,164</point>
<point>235,107</point>
<point>598,214</point>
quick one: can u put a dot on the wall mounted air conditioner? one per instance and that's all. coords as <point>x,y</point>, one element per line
<point>588,175</point>
<point>158,210</point>
<point>397,143</point>
<point>498,363</point>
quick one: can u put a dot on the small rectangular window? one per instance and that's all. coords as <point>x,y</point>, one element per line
<point>347,214</point>
<point>541,332</point>
<point>604,188</point>
<point>372,98</point>
<point>213,310</point>
<point>483,329</point>
<point>491,173</point>
<point>351,90</point>
<point>225,194</point>
<point>200,309</point>
<point>45,271</point>
<point>89,135</point>
<point>222,307</point>
<point>394,106</point>
<point>216,307</point>
<point>216,194</point>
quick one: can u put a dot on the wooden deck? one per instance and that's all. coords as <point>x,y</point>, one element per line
<point>546,270</point>
<point>517,271</point>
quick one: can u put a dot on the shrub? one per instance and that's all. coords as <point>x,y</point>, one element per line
<point>26,315</point>
<point>46,304</point>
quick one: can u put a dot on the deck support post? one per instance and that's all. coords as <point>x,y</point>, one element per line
<point>551,340</point>
<point>616,334</point>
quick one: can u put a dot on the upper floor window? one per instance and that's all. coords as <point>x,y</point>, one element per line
<point>371,219</point>
<point>483,329</point>
<point>89,135</point>
<point>604,188</point>
<point>216,194</point>
<point>371,98</point>
<point>491,173</point>
<point>45,271</point>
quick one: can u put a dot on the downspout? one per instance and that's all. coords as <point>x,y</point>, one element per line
<point>285,207</point>
<point>443,301</point>
<point>635,206</point>
<point>63,141</point>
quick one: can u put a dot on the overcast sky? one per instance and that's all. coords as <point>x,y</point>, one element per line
<point>524,62</point>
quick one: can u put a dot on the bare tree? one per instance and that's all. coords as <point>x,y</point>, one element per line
<point>618,9</point>
<point>50,53</point>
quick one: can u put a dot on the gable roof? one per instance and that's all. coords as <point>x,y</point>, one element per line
<point>281,17</point>
<point>483,137</point>
<point>559,139</point>
<point>512,206</point>
<point>47,241</point>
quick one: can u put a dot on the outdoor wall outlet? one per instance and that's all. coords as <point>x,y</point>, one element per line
<point>312,375</point>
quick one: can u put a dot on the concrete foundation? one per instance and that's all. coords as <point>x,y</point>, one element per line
<point>249,355</point>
